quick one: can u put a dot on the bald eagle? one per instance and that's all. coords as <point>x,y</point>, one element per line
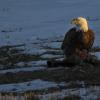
<point>79,39</point>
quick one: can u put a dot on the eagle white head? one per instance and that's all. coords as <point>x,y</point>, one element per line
<point>81,23</point>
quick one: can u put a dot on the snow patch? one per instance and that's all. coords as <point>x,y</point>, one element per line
<point>21,69</point>
<point>90,93</point>
<point>26,86</point>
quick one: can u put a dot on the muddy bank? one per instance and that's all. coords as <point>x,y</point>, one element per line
<point>87,73</point>
<point>15,65</point>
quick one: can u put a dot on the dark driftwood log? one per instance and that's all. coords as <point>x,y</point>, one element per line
<point>57,63</point>
<point>72,62</point>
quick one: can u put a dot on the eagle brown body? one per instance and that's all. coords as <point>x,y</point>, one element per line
<point>77,40</point>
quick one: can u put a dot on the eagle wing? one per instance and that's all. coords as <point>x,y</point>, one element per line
<point>71,41</point>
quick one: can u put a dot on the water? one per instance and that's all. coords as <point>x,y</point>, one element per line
<point>25,20</point>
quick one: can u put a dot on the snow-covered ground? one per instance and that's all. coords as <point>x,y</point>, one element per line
<point>30,85</point>
<point>90,93</point>
<point>85,93</point>
<point>16,70</point>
